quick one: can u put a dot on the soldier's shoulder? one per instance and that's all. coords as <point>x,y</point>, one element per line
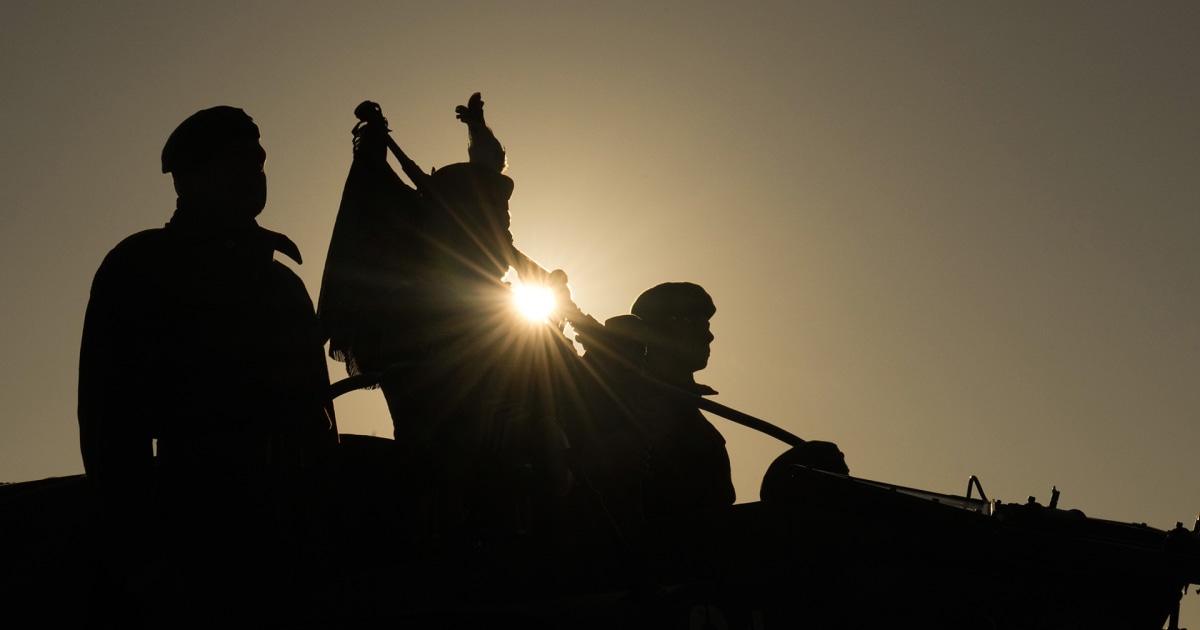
<point>138,255</point>
<point>285,277</point>
<point>139,245</point>
<point>284,273</point>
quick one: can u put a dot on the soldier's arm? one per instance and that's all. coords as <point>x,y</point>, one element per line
<point>482,145</point>
<point>529,271</point>
<point>116,389</point>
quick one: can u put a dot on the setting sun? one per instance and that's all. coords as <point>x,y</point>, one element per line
<point>535,303</point>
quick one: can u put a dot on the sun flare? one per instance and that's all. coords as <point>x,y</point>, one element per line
<point>533,302</point>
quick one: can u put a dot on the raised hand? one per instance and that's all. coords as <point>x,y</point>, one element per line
<point>482,146</point>
<point>472,112</point>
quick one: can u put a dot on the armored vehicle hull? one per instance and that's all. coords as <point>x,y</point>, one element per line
<point>819,551</point>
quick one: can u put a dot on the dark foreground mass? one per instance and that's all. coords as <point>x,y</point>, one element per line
<point>818,551</point>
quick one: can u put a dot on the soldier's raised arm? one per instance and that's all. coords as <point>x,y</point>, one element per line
<point>482,146</point>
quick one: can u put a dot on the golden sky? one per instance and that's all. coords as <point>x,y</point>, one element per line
<point>955,238</point>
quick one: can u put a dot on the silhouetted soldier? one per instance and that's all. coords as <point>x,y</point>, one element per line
<point>609,438</point>
<point>197,338</point>
<point>641,437</point>
<point>413,289</point>
<point>414,273</point>
<point>688,461</point>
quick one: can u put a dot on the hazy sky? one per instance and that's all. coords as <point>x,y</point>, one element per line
<point>954,237</point>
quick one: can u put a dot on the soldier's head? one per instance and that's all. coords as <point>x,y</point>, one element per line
<point>678,338</point>
<point>624,342</point>
<point>216,161</point>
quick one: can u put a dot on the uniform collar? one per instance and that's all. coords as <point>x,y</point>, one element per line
<point>206,225</point>
<point>689,385</point>
<point>700,389</point>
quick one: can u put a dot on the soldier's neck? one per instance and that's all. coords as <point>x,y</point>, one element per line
<point>208,215</point>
